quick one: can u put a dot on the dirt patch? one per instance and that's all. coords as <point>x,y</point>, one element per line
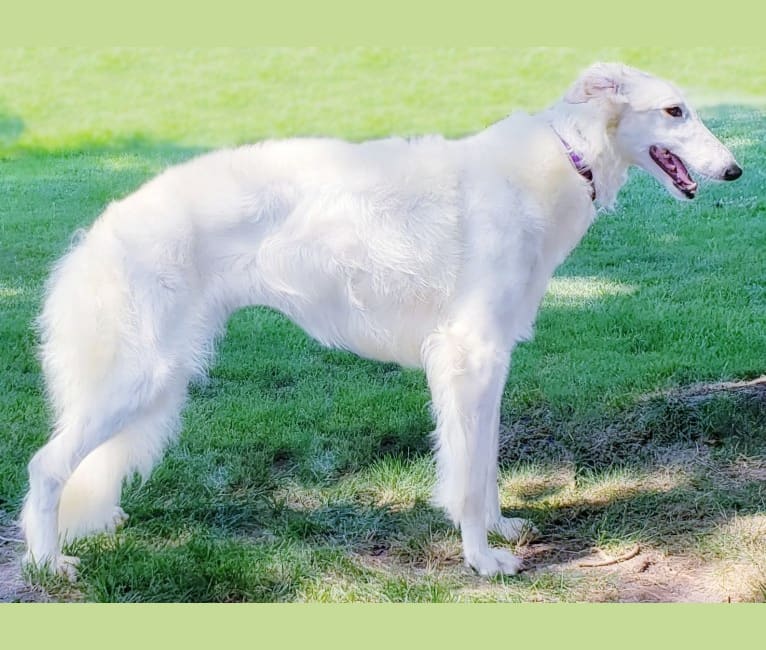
<point>696,393</point>
<point>651,576</point>
<point>13,587</point>
<point>745,470</point>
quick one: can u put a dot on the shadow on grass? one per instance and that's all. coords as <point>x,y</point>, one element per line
<point>266,545</point>
<point>11,129</point>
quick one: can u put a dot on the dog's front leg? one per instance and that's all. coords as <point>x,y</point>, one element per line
<point>466,373</point>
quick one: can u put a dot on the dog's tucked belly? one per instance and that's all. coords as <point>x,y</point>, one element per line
<point>357,311</point>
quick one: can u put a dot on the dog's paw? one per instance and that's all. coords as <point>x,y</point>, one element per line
<point>66,566</point>
<point>495,561</point>
<point>119,517</point>
<point>515,530</point>
<point>60,565</point>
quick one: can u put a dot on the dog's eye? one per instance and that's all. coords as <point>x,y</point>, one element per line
<point>674,111</point>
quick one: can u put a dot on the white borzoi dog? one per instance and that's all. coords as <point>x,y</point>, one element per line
<point>432,253</point>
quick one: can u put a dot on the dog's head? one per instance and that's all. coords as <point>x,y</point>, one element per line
<point>653,127</point>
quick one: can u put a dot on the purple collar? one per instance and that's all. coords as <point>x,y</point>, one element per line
<point>580,165</point>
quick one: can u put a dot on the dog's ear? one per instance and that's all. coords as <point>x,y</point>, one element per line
<point>599,81</point>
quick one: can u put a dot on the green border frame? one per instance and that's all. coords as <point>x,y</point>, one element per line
<point>374,22</point>
<point>382,626</point>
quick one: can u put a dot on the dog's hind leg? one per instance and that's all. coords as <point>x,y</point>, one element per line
<point>98,439</point>
<point>90,501</point>
<point>49,470</point>
<point>466,375</point>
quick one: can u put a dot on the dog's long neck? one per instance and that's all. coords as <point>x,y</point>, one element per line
<point>588,130</point>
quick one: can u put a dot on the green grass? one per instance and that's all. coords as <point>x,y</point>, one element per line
<point>303,473</point>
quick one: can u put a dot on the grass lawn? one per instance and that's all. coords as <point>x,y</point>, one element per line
<point>630,424</point>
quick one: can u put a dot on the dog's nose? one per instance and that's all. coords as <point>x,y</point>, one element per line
<point>732,173</point>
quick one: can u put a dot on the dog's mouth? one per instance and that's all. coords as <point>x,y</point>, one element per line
<point>674,167</point>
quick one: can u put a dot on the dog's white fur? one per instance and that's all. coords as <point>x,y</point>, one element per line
<point>431,253</point>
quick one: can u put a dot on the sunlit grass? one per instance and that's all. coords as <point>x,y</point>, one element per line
<point>579,292</point>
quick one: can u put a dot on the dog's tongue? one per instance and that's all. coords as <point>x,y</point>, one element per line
<point>681,172</point>
<point>674,167</point>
